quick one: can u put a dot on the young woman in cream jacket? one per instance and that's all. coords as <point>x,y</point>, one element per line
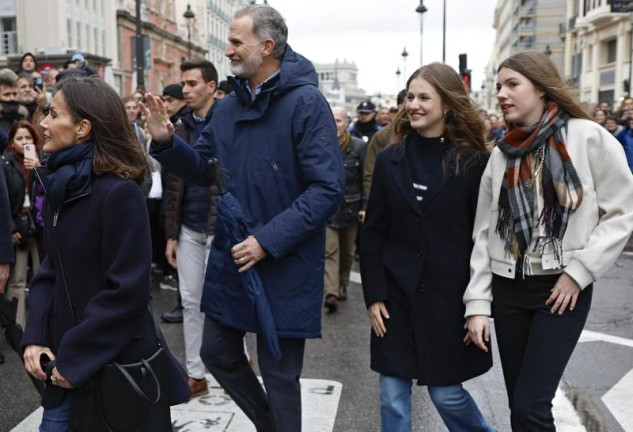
<point>554,213</point>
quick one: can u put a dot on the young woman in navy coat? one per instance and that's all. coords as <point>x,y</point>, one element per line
<point>415,252</point>
<point>98,241</point>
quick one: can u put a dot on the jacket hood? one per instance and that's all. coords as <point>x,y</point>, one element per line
<point>295,71</point>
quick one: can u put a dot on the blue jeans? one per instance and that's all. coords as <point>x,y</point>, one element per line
<point>56,419</point>
<point>454,404</point>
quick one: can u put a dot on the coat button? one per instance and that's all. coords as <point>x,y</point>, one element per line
<point>420,253</point>
<point>422,286</point>
<point>418,220</point>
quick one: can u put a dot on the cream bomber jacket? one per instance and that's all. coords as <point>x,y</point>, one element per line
<point>597,231</point>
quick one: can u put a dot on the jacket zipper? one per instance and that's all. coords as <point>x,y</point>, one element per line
<point>276,174</point>
<point>56,215</point>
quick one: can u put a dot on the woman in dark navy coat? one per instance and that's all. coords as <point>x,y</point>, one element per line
<point>98,241</point>
<point>415,252</point>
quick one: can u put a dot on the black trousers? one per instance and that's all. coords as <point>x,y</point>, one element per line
<point>278,409</point>
<point>535,345</point>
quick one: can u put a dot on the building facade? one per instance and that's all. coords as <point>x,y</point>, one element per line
<point>523,25</point>
<point>167,49</point>
<point>103,31</point>
<point>210,27</point>
<point>338,81</point>
<point>597,51</point>
<point>57,30</point>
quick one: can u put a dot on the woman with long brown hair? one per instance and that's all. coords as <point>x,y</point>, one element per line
<point>554,214</point>
<point>415,252</point>
<point>19,159</point>
<point>88,303</point>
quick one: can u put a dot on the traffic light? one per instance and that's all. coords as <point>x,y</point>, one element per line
<point>466,80</point>
<point>463,63</point>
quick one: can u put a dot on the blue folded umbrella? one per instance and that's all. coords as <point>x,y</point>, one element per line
<point>231,220</point>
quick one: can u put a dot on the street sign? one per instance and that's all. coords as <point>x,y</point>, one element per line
<point>621,5</point>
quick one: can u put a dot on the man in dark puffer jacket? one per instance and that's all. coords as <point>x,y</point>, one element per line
<point>190,217</point>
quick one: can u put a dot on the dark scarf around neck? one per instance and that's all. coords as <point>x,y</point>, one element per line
<point>70,173</point>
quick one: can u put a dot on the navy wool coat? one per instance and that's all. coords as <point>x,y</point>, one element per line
<point>415,257</point>
<point>103,241</point>
<point>284,167</point>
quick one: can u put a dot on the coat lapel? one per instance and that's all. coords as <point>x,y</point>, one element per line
<point>441,179</point>
<point>402,177</point>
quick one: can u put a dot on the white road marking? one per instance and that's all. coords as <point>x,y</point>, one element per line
<point>591,336</point>
<point>355,277</point>
<point>618,400</point>
<point>217,411</point>
<point>565,416</point>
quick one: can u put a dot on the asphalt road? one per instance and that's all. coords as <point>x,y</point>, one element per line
<point>342,355</point>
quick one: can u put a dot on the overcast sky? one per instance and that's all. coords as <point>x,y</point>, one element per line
<point>373,33</point>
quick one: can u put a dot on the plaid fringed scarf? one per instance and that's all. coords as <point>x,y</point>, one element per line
<point>562,189</point>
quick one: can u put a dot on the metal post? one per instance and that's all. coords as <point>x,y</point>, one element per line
<point>140,54</point>
<point>444,35</point>
<point>189,16</point>
<point>631,56</point>
<point>404,61</point>
<point>421,9</point>
<point>189,39</point>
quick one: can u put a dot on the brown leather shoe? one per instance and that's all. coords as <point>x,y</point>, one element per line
<point>198,388</point>
<point>342,293</point>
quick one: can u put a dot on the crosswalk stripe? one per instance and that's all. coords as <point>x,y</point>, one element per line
<point>590,336</point>
<point>565,416</point>
<point>216,412</point>
<point>354,277</point>
<point>618,400</point>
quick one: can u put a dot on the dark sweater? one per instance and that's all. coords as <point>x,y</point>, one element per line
<point>424,160</point>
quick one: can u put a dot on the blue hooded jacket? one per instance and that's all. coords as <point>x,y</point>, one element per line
<point>284,166</point>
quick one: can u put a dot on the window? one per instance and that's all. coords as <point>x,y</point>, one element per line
<point>8,35</point>
<point>611,50</point>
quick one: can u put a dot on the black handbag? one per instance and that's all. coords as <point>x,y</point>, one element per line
<point>124,397</point>
<point>25,225</point>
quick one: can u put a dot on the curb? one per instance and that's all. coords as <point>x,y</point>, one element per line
<point>589,414</point>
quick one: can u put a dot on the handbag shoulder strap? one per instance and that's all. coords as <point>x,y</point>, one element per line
<point>70,301</point>
<point>150,304</point>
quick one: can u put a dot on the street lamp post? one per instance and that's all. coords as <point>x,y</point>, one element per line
<point>140,54</point>
<point>189,16</point>
<point>444,35</point>
<point>421,9</point>
<point>404,60</point>
<point>398,80</point>
<point>548,51</point>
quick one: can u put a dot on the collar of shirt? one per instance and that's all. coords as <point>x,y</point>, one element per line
<point>258,89</point>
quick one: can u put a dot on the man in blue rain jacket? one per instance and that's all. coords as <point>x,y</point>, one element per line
<point>275,137</point>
